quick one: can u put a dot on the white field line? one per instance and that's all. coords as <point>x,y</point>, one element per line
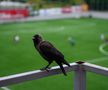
<point>52,29</point>
<point>98,60</point>
<point>5,88</point>
<point>101,48</point>
<point>102,51</point>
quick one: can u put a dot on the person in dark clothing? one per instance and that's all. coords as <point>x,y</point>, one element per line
<point>49,52</point>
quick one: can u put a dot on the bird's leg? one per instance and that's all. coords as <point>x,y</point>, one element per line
<point>47,67</point>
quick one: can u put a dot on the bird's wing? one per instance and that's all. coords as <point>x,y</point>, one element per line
<point>50,51</point>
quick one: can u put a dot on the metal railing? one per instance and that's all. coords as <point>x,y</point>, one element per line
<point>80,68</point>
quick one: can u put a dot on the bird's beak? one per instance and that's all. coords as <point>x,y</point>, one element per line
<point>33,38</point>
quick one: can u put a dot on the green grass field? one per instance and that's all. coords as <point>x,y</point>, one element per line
<point>21,57</point>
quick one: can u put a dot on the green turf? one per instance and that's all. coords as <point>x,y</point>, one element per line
<point>106,48</point>
<point>22,56</point>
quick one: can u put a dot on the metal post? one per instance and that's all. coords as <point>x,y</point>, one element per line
<point>80,78</point>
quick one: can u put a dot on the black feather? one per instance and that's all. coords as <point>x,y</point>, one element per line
<point>49,52</point>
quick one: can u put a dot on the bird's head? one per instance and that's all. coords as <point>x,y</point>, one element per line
<point>37,38</point>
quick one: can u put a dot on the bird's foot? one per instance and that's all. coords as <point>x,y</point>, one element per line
<point>47,69</point>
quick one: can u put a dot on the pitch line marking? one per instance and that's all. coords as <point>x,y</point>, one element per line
<point>102,50</point>
<point>98,59</point>
<point>5,88</point>
<point>51,29</point>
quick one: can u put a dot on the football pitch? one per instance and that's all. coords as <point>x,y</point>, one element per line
<point>21,56</point>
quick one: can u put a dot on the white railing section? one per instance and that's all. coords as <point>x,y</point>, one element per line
<point>79,68</point>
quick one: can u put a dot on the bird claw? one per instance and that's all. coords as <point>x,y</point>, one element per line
<point>47,69</point>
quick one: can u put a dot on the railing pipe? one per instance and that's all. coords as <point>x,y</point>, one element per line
<point>80,68</point>
<point>33,75</point>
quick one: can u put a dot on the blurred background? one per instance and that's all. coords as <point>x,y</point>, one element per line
<point>78,28</point>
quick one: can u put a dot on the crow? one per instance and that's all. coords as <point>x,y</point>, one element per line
<point>49,52</point>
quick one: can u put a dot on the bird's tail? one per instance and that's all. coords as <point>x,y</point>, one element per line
<point>62,68</point>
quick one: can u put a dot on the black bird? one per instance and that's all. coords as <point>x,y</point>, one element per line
<point>49,52</point>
